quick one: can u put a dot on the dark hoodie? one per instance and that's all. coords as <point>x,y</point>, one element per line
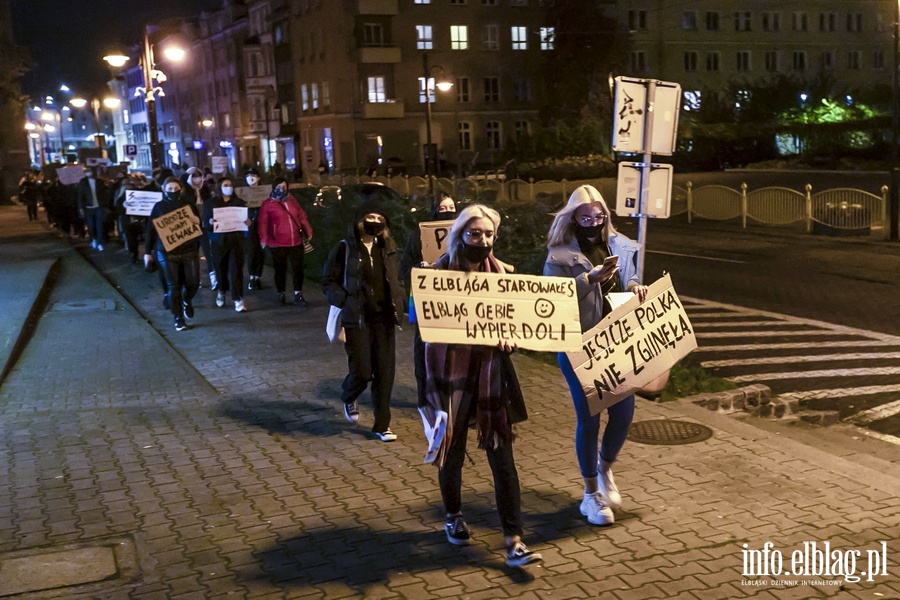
<point>163,207</point>
<point>218,201</point>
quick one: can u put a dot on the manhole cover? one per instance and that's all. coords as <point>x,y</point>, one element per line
<point>670,433</point>
<point>83,305</point>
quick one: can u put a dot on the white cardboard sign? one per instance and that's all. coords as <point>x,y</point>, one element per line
<point>529,311</point>
<point>433,234</point>
<point>139,203</point>
<point>229,218</point>
<point>219,164</point>
<point>253,196</point>
<point>70,174</point>
<point>633,345</point>
<point>177,227</point>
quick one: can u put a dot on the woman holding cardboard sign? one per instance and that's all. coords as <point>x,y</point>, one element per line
<point>583,244</point>
<point>468,385</point>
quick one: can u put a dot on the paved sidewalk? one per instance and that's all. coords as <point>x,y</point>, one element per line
<point>220,459</point>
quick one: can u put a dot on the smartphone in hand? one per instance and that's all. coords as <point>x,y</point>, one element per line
<point>611,261</point>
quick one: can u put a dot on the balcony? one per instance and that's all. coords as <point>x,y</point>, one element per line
<point>379,54</point>
<point>392,109</point>
<point>378,7</point>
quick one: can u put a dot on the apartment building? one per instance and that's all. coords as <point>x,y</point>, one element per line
<point>363,70</point>
<point>710,45</point>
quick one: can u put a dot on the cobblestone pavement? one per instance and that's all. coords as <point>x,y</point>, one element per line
<point>221,456</point>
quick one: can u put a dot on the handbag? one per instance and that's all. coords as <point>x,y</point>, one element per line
<point>334,326</point>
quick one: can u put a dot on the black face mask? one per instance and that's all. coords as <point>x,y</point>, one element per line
<point>585,233</point>
<point>373,228</point>
<point>171,196</point>
<point>446,215</point>
<point>476,254</point>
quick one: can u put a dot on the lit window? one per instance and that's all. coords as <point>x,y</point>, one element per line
<point>424,39</point>
<point>375,87</point>
<point>304,96</point>
<point>548,38</point>
<point>691,100</point>
<point>519,38</point>
<point>459,37</point>
<point>315,95</point>
<point>430,93</point>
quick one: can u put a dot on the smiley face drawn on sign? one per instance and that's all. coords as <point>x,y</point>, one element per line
<point>544,308</point>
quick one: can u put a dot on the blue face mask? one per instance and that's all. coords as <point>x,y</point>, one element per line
<point>279,194</point>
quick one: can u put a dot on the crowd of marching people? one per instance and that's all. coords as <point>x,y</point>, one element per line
<point>460,386</point>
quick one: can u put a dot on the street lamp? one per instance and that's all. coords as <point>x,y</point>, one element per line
<point>150,90</point>
<point>444,86</point>
<point>108,102</point>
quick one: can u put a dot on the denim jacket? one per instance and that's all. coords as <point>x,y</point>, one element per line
<point>569,261</point>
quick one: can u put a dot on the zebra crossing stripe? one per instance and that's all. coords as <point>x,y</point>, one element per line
<point>861,372</point>
<point>874,414</point>
<point>840,392</point>
<point>796,346</point>
<point>807,358</point>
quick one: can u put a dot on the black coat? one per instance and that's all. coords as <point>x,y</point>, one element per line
<point>104,194</point>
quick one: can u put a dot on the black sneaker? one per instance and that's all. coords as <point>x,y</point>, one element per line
<point>166,304</point>
<point>351,411</point>
<point>457,531</point>
<point>281,299</point>
<point>180,325</point>
<point>299,300</point>
<point>519,555</point>
<point>255,284</point>
<point>188,310</point>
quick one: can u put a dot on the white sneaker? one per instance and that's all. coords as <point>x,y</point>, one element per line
<point>99,247</point>
<point>213,281</point>
<point>239,306</point>
<point>596,510</point>
<point>220,299</point>
<point>94,244</point>
<point>607,485</point>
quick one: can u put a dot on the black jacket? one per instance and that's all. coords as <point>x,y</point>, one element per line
<point>214,202</point>
<point>104,196</point>
<point>352,298</point>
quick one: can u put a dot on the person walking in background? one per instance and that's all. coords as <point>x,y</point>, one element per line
<point>227,248</point>
<point>443,209</point>
<point>30,194</point>
<point>94,201</point>
<point>283,227</point>
<point>581,239</point>
<point>256,256</point>
<point>362,277</point>
<point>181,265</point>
<point>476,386</point>
<point>197,192</point>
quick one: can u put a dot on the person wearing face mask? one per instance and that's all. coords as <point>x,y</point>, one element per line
<point>581,237</point>
<point>443,209</point>
<point>469,385</point>
<point>198,191</point>
<point>181,265</point>
<point>362,276</point>
<point>256,256</point>
<point>283,227</point>
<point>227,248</point>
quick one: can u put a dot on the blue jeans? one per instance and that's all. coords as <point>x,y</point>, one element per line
<point>96,223</point>
<point>587,428</point>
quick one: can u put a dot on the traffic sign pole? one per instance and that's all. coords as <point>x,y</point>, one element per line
<point>649,110</point>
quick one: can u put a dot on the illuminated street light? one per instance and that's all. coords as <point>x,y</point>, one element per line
<point>150,90</point>
<point>444,85</point>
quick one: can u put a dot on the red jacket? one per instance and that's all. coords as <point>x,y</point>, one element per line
<point>281,223</point>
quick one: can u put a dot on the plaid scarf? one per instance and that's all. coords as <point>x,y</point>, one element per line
<point>466,381</point>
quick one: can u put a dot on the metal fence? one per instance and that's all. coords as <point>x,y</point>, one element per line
<point>833,211</point>
<point>837,210</point>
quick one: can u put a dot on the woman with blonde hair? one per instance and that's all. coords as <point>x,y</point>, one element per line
<point>581,244</point>
<point>476,385</point>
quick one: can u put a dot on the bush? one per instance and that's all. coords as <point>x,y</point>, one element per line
<point>570,168</point>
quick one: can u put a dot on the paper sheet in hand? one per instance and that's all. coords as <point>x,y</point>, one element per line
<point>435,436</point>
<point>229,218</point>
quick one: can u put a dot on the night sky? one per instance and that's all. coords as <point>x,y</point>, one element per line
<point>67,40</point>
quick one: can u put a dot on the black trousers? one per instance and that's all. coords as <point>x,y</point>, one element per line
<point>228,258</point>
<point>506,482</point>
<point>280,258</point>
<point>371,357</point>
<point>256,256</point>
<point>182,277</point>
<point>419,365</point>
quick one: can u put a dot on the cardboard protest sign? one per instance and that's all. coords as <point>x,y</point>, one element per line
<point>633,345</point>
<point>230,218</point>
<point>177,227</point>
<point>456,307</point>
<point>433,234</point>
<point>140,203</point>
<point>70,174</point>
<point>253,196</point>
